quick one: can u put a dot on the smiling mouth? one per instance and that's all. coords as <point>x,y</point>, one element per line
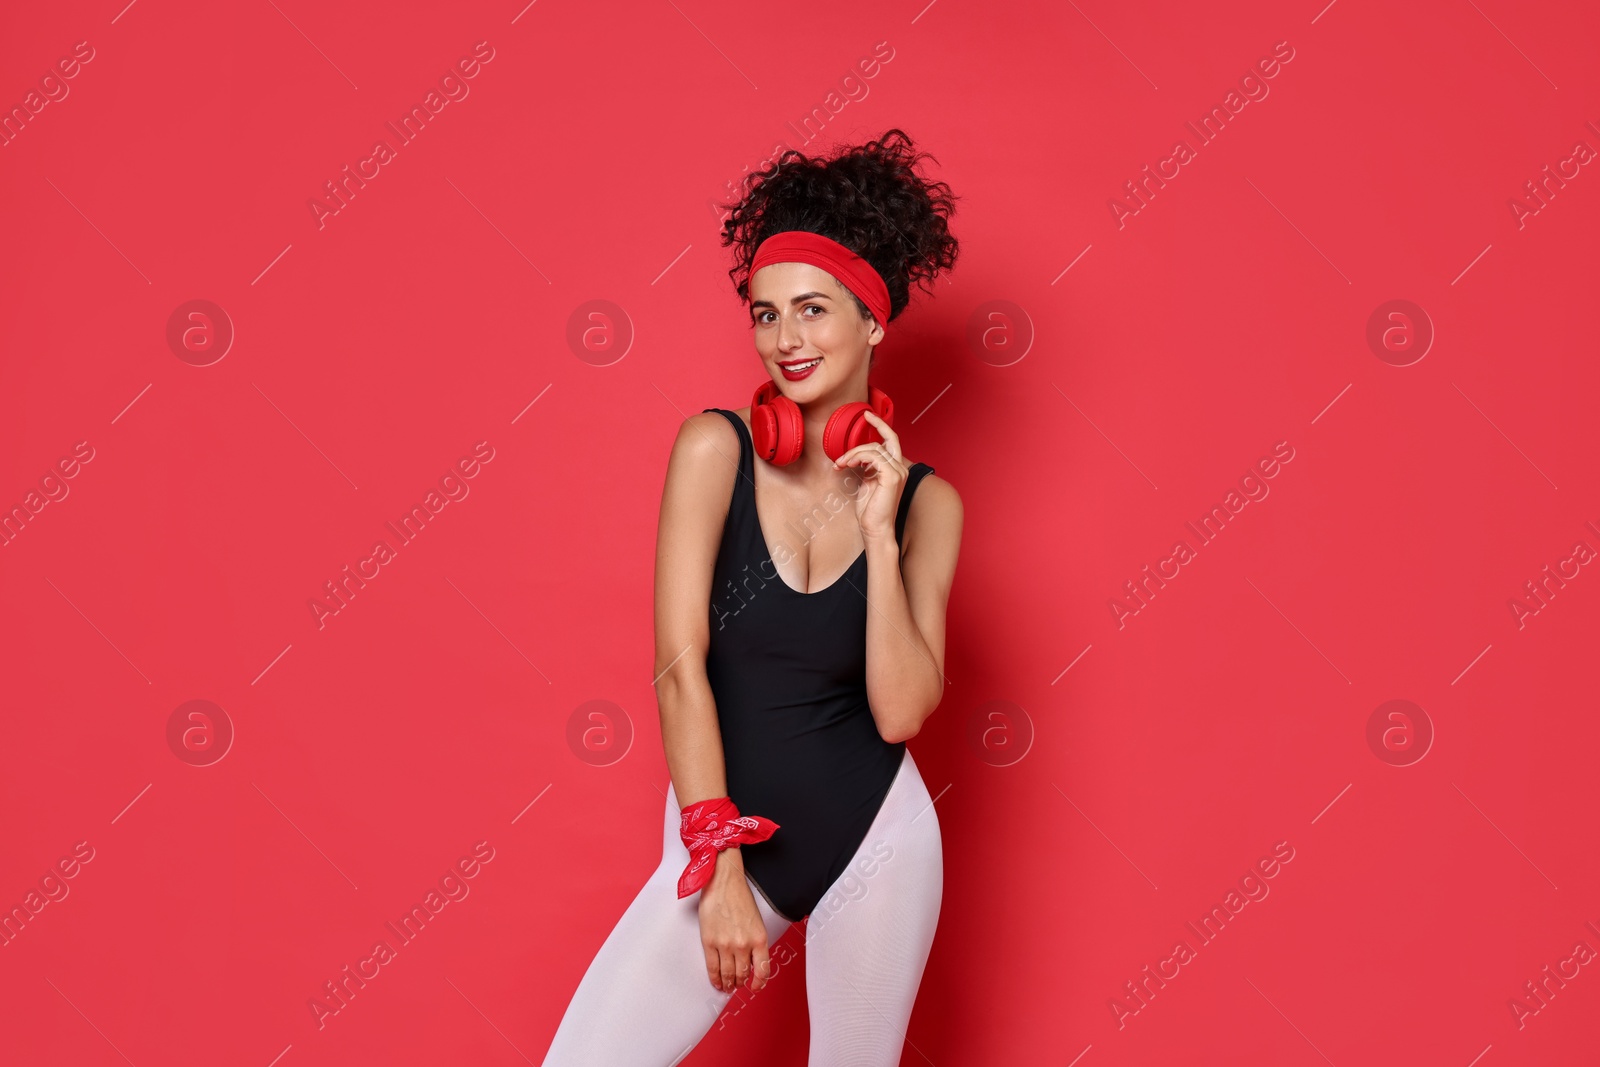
<point>805,364</point>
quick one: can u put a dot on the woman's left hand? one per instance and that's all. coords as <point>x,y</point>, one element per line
<point>883,473</point>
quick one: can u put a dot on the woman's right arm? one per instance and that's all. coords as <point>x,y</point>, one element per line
<point>694,505</point>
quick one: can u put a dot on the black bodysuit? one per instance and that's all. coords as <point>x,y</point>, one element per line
<point>789,674</point>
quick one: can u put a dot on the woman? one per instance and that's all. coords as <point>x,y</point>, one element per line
<point>791,669</point>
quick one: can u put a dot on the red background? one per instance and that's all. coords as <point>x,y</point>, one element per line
<point>1228,314</point>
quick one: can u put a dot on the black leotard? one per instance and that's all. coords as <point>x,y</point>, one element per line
<point>789,674</point>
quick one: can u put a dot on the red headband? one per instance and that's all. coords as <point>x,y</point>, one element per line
<point>853,272</point>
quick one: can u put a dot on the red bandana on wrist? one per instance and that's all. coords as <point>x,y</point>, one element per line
<point>709,827</point>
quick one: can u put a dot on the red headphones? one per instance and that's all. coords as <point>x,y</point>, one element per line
<point>779,431</point>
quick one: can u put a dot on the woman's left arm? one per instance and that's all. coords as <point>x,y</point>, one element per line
<point>907,592</point>
<point>908,585</point>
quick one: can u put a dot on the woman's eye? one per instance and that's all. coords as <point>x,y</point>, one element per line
<point>765,317</point>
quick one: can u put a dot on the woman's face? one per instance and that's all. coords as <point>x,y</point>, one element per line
<point>803,318</point>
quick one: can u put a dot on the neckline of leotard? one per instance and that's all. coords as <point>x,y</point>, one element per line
<point>747,453</point>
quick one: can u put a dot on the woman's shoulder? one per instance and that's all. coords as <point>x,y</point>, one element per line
<point>705,436</point>
<point>934,505</point>
<point>704,463</point>
<point>937,491</point>
<point>714,422</point>
<point>709,426</point>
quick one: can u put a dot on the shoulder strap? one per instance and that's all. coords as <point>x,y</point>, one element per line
<point>739,430</point>
<point>747,448</point>
<point>913,479</point>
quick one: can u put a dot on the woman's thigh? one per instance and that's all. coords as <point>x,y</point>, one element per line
<point>868,939</point>
<point>646,1000</point>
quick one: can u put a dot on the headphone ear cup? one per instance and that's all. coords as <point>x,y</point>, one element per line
<point>846,429</point>
<point>777,428</point>
<point>763,430</point>
<point>882,405</point>
<point>791,431</point>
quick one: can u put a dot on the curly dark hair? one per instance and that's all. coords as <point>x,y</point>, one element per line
<point>867,197</point>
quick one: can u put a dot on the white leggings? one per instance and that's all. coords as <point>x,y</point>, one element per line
<point>646,1000</point>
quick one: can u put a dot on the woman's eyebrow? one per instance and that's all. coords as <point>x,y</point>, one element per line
<point>792,300</point>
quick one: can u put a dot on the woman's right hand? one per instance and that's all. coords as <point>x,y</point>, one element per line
<point>731,928</point>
